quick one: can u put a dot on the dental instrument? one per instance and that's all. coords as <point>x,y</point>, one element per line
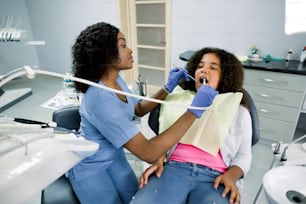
<point>191,77</point>
<point>31,73</point>
<point>203,81</point>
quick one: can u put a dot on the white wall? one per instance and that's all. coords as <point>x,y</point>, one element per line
<point>58,22</point>
<point>12,54</point>
<point>234,25</point>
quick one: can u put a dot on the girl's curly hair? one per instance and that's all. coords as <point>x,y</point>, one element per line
<point>93,52</point>
<point>231,72</point>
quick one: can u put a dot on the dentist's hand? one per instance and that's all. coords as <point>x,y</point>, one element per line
<point>174,78</point>
<point>204,98</point>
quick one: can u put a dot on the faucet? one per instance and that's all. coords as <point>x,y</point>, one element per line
<point>284,158</point>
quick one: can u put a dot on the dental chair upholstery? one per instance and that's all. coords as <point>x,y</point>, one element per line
<point>60,191</point>
<point>154,115</point>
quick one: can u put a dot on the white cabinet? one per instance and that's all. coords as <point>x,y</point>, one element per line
<point>279,100</point>
<point>149,32</point>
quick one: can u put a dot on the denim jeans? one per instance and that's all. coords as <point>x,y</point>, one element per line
<point>182,183</point>
<point>115,185</point>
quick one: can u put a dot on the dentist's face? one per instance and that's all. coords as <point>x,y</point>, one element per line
<point>208,71</point>
<point>125,53</point>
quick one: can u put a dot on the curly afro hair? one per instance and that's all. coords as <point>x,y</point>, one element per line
<point>231,71</point>
<point>93,52</point>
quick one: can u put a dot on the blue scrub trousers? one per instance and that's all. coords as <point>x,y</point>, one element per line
<point>182,183</point>
<point>115,185</point>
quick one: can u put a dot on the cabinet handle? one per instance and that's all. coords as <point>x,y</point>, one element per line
<point>265,95</point>
<point>268,80</point>
<point>268,113</point>
<point>264,110</point>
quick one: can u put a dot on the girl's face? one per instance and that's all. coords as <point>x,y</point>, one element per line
<point>125,53</point>
<point>208,70</point>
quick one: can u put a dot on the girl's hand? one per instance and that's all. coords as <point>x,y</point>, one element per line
<point>157,167</point>
<point>230,187</point>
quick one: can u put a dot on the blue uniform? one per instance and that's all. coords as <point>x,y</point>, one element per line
<point>106,177</point>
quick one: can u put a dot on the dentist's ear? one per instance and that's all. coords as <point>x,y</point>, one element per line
<point>30,73</point>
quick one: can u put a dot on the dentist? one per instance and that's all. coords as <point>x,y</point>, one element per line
<point>99,54</point>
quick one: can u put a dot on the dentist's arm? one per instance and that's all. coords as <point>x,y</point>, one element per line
<point>152,149</point>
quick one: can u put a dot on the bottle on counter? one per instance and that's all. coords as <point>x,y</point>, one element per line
<point>289,54</point>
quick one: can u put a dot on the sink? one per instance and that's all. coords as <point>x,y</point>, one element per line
<point>285,185</point>
<point>32,158</point>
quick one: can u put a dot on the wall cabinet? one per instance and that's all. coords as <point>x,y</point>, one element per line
<point>149,31</point>
<point>279,100</point>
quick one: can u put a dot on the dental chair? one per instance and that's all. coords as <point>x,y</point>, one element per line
<point>60,191</point>
<point>154,122</point>
<point>154,115</point>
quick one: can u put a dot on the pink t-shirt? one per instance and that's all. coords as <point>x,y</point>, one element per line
<point>192,154</point>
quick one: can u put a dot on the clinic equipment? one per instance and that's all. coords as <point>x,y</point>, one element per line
<point>30,73</point>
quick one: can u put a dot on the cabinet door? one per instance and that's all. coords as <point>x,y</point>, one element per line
<point>148,27</point>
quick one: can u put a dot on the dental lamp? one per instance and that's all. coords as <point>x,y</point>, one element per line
<point>31,73</point>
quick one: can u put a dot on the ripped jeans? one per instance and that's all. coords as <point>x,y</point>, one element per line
<point>182,183</point>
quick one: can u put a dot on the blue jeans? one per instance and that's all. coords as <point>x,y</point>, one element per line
<point>182,183</point>
<point>115,185</point>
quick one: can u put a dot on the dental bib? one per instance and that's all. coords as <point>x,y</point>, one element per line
<point>209,131</point>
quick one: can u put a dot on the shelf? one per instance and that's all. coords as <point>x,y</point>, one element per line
<point>150,13</point>
<point>151,57</point>
<point>151,67</point>
<point>150,2</point>
<point>151,25</point>
<point>151,36</point>
<point>151,47</point>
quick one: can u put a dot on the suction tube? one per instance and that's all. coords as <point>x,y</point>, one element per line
<point>31,73</point>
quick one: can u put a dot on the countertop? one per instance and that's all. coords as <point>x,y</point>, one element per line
<point>282,66</point>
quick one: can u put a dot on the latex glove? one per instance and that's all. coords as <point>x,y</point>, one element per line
<point>174,78</point>
<point>204,98</point>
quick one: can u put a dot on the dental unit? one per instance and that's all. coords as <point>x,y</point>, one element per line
<point>38,153</point>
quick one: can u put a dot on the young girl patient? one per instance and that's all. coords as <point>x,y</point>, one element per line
<point>193,172</point>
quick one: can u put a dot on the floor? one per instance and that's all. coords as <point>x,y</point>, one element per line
<point>44,87</point>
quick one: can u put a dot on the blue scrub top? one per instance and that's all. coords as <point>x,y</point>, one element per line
<point>107,120</point>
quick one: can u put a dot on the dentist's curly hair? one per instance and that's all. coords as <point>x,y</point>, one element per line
<point>231,71</point>
<point>93,52</point>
